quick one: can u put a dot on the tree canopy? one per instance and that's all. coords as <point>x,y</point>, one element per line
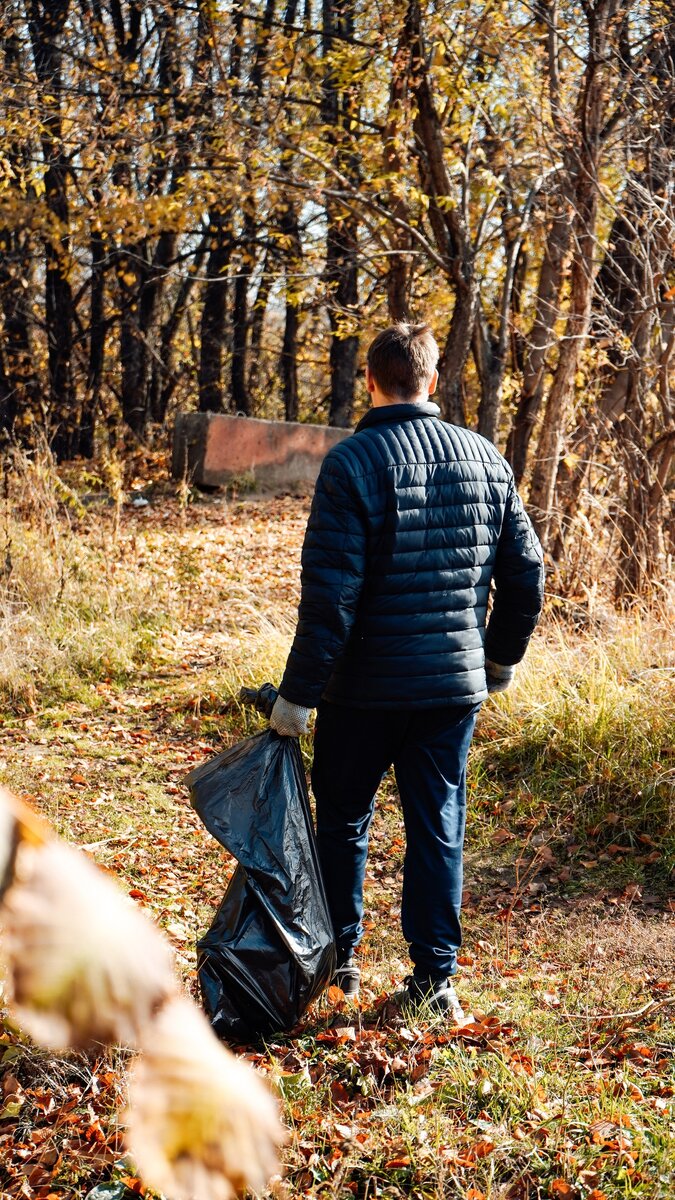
<point>215,205</point>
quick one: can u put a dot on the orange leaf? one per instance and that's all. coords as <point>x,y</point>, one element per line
<point>481,1149</point>
<point>134,1184</point>
<point>339,1092</point>
<point>596,1194</point>
<point>395,1164</point>
<point>562,1189</point>
<point>335,994</point>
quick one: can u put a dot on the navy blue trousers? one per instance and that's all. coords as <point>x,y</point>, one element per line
<point>428,749</point>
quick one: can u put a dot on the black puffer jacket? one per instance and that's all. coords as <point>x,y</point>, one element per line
<point>411,520</point>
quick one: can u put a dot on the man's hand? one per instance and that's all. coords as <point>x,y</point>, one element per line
<point>289,720</point>
<point>498,677</point>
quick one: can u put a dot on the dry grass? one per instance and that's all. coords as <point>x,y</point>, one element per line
<point>78,602</point>
<point>129,634</point>
<point>586,740</point>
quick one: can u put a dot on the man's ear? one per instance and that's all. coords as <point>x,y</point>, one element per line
<point>370,382</point>
<point>433,383</point>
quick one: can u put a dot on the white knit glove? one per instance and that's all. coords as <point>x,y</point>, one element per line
<point>289,720</point>
<point>498,677</point>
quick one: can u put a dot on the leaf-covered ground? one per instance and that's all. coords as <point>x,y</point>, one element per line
<point>561,1082</point>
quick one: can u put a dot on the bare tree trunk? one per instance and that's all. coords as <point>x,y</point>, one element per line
<point>549,448</point>
<point>547,309</point>
<point>241,401</point>
<point>638,268</point>
<point>289,363</point>
<point>132,268</point>
<point>399,271</point>
<point>338,108</point>
<point>219,233</point>
<point>92,396</point>
<point>450,392</point>
<point>585,157</point>
<point>240,322</point>
<point>145,273</point>
<point>490,348</point>
<point>258,310</point>
<point>214,312</point>
<point>541,338</point>
<point>163,377</point>
<point>46,24</point>
<point>19,386</point>
<point>292,252</point>
<point>449,222</point>
<point>641,558</point>
<point>633,316</point>
<point>620,317</point>
<point>640,535</point>
<point>288,222</point>
<point>490,364</point>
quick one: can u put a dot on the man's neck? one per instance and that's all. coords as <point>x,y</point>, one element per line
<point>379,400</point>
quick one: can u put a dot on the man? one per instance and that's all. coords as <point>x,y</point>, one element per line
<point>411,522</point>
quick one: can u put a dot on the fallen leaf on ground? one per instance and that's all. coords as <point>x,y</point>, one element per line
<point>563,1190</point>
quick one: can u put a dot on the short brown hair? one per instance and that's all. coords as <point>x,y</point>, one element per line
<point>402,359</point>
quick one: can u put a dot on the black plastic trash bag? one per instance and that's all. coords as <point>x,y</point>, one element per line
<point>270,949</point>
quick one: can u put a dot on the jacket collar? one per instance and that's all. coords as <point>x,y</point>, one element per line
<point>398,412</point>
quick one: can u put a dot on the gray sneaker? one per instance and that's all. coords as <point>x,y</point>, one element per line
<point>348,978</point>
<point>436,996</point>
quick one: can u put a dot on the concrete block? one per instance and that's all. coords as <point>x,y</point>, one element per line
<point>215,449</point>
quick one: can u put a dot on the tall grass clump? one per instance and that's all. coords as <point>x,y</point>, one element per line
<point>587,735</point>
<point>77,605</point>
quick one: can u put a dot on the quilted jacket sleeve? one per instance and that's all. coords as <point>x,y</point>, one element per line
<point>519,585</point>
<point>333,567</point>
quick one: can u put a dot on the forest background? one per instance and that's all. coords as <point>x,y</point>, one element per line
<point>216,205</point>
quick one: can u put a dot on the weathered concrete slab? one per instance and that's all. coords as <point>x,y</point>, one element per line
<point>214,449</point>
